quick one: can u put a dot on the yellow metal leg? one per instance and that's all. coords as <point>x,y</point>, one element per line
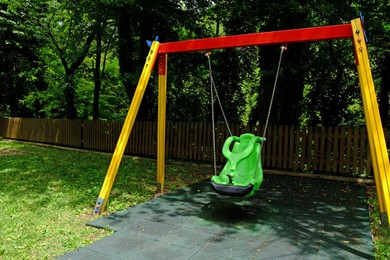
<point>126,130</point>
<point>380,157</point>
<point>162,93</point>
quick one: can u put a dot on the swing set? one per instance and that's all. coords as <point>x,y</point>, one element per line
<point>242,175</point>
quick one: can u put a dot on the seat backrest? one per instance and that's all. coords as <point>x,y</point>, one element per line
<point>243,157</point>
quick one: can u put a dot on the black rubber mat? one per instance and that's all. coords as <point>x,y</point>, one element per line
<point>288,218</point>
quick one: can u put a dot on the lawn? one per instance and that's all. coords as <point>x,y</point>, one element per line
<point>380,230</point>
<point>48,194</point>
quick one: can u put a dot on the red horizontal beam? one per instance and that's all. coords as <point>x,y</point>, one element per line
<point>264,38</point>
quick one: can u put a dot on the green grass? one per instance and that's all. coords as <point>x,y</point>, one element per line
<point>47,195</point>
<point>380,230</point>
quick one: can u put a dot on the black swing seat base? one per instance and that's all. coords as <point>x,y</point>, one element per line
<point>231,190</point>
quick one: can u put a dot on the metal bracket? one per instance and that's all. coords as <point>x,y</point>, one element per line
<point>384,218</point>
<point>364,27</point>
<point>98,205</point>
<point>159,187</point>
<point>149,43</point>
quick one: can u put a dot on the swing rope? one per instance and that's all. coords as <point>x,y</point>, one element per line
<point>213,89</point>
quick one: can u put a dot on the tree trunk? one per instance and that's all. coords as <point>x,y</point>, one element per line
<point>384,94</point>
<point>97,73</point>
<point>69,93</point>
<point>126,51</point>
<point>70,70</point>
<point>290,92</point>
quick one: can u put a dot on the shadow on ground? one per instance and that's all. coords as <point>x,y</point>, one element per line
<point>288,218</point>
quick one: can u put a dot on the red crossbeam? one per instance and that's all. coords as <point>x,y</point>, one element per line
<point>264,38</point>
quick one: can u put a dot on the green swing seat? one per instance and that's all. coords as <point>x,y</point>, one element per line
<point>240,176</point>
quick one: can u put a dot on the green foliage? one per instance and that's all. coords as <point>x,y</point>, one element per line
<point>191,94</point>
<point>250,95</point>
<point>19,70</point>
<point>49,102</point>
<point>112,104</point>
<point>332,94</point>
<point>53,62</point>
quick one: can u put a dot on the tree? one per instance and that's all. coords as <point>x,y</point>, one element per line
<point>104,36</point>
<point>377,25</point>
<point>48,48</point>
<point>72,46</point>
<point>137,22</point>
<point>19,63</point>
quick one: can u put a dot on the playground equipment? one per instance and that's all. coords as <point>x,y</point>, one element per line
<point>242,174</point>
<point>353,31</point>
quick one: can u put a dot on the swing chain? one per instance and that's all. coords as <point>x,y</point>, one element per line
<point>283,48</point>
<point>216,94</point>
<point>212,115</point>
<point>213,89</point>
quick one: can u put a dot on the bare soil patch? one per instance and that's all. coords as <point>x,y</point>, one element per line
<point>9,151</point>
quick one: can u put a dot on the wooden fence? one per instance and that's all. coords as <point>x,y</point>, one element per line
<point>330,150</point>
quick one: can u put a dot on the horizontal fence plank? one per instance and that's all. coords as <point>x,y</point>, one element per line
<point>331,150</point>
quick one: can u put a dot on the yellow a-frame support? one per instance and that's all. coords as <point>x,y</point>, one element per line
<point>126,129</point>
<point>354,31</point>
<point>376,137</point>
